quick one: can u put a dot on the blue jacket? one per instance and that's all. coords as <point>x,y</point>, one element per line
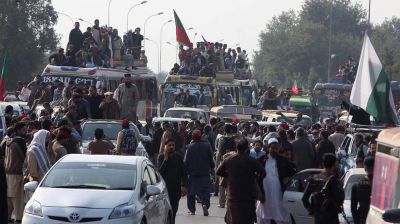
<point>199,158</point>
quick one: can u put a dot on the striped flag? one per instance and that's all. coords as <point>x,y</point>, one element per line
<point>371,89</point>
<point>295,88</point>
<point>181,35</point>
<point>3,78</point>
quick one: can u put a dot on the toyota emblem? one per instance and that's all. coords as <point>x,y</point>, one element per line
<point>74,217</point>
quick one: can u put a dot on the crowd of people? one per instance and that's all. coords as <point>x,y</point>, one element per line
<point>78,100</point>
<point>100,46</point>
<point>207,58</point>
<point>249,164</point>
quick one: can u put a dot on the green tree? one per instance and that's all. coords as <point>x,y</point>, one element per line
<point>293,43</point>
<point>27,34</point>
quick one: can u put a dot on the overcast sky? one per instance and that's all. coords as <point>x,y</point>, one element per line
<point>234,21</point>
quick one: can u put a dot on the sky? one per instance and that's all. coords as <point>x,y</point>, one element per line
<point>234,22</point>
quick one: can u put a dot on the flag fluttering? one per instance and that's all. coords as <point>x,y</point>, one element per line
<point>181,35</point>
<point>3,77</point>
<point>371,89</point>
<point>295,89</point>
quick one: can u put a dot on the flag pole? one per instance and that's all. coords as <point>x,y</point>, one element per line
<point>369,17</point>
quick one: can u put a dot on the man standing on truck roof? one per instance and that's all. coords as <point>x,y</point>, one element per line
<point>128,95</point>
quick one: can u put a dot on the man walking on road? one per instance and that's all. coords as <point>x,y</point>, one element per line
<point>199,163</point>
<point>13,162</point>
<point>279,170</point>
<point>239,172</point>
<point>173,171</point>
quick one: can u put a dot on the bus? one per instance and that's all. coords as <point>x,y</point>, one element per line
<point>222,90</point>
<point>108,79</point>
<point>327,97</point>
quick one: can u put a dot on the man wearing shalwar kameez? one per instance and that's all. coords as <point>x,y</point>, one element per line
<point>278,170</point>
<point>127,98</point>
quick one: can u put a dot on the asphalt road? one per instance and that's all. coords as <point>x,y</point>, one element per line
<point>216,215</point>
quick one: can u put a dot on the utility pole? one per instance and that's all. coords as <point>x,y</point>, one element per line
<point>330,42</point>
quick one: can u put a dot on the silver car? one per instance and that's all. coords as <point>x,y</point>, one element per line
<point>111,129</point>
<point>99,189</point>
<point>297,184</point>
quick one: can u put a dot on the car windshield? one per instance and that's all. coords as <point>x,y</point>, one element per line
<point>107,176</point>
<point>110,130</point>
<point>182,114</point>
<point>352,180</point>
<point>172,90</point>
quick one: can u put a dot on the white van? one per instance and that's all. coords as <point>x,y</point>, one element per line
<point>385,196</point>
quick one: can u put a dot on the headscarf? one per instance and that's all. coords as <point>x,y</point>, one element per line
<point>38,147</point>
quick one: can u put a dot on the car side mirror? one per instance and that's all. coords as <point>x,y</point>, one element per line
<point>152,190</point>
<point>31,186</point>
<point>391,215</point>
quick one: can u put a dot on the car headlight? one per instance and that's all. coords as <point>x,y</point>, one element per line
<point>122,211</point>
<point>34,208</point>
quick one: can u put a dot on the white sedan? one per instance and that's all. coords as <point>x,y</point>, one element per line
<point>296,186</point>
<point>99,189</point>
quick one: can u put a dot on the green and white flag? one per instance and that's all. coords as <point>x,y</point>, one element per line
<point>371,89</point>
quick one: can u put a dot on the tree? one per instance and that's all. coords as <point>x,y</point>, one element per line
<point>27,34</point>
<point>293,43</point>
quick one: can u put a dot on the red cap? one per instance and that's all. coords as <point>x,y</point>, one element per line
<point>125,122</point>
<point>196,134</point>
<point>284,126</point>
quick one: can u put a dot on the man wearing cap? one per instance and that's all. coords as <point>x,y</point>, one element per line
<point>279,170</point>
<point>109,107</point>
<point>199,163</point>
<point>13,163</point>
<point>128,95</point>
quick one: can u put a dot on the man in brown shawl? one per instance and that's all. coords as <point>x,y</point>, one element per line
<point>240,172</point>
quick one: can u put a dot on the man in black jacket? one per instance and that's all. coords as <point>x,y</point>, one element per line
<point>279,170</point>
<point>324,195</point>
<point>361,193</point>
<point>76,37</point>
<point>173,171</point>
<point>199,163</point>
<point>324,146</point>
<point>155,144</point>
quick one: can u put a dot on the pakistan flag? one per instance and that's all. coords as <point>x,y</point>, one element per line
<point>371,89</point>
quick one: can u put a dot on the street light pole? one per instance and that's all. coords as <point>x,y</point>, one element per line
<point>64,14</point>
<point>129,11</point>
<point>158,56</point>
<point>194,38</point>
<point>176,49</point>
<point>161,32</point>
<point>144,26</point>
<point>109,4</point>
<point>80,19</point>
<point>330,42</point>
<point>369,16</point>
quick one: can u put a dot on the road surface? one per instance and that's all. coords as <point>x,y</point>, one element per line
<point>216,215</point>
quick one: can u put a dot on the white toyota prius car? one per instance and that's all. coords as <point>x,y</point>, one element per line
<point>99,189</point>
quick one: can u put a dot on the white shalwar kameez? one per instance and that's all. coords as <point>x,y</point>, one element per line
<point>273,208</point>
